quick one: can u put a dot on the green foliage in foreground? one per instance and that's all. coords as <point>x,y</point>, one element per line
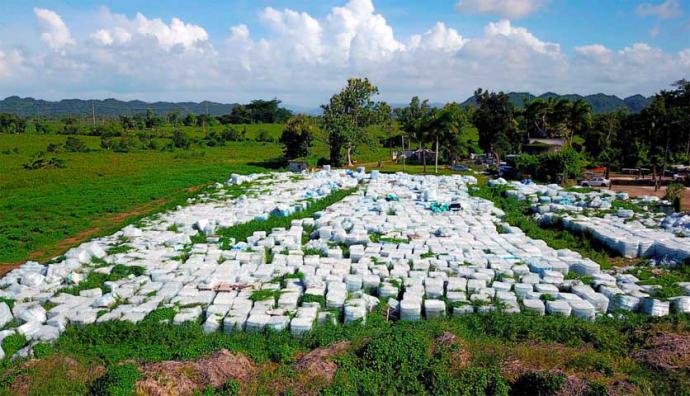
<point>97,279</point>
<point>517,214</point>
<point>667,279</point>
<point>241,232</point>
<point>385,357</point>
<point>101,191</point>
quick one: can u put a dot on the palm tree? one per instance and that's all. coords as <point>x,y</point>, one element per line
<point>579,118</point>
<point>444,127</point>
<point>415,121</point>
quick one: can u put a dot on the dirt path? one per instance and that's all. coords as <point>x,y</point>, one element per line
<point>98,227</point>
<point>637,191</point>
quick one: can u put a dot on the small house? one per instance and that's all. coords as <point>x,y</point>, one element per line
<point>297,166</point>
<point>540,146</point>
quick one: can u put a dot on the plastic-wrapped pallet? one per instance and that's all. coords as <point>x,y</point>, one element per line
<point>300,326</point>
<point>655,307</point>
<point>410,309</point>
<point>434,309</point>
<point>534,305</point>
<point>624,302</point>
<point>355,310</point>
<point>560,307</point>
<point>582,309</point>
<point>682,304</point>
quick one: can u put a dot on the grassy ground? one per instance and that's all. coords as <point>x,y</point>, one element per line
<point>101,190</point>
<point>46,211</point>
<point>518,215</point>
<point>492,353</point>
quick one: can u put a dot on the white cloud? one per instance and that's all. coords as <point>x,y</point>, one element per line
<point>665,10</point>
<point>504,8</point>
<point>439,38</point>
<point>595,51</point>
<point>303,59</point>
<point>55,33</point>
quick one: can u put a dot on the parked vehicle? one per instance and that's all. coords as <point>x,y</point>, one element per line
<point>596,181</point>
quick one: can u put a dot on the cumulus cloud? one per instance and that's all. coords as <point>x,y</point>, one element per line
<point>504,8</point>
<point>665,10</point>
<point>303,58</point>
<point>54,31</point>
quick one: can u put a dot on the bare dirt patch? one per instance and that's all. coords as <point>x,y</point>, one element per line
<point>190,377</point>
<point>460,355</point>
<point>666,351</point>
<point>319,362</point>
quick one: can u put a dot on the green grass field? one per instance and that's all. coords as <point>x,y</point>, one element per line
<point>98,189</point>
<point>44,212</point>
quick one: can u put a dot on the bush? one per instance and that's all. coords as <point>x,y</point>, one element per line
<point>180,139</point>
<point>39,161</point>
<point>264,136</point>
<point>75,145</point>
<point>468,381</point>
<point>119,380</point>
<point>231,134</point>
<point>549,167</point>
<point>674,194</point>
<point>395,361</point>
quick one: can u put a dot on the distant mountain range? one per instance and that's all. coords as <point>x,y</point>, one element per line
<point>107,107</point>
<point>600,103</point>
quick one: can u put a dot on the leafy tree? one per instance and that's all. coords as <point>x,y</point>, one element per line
<point>297,137</point>
<point>347,115</point>
<point>152,120</point>
<point>75,145</point>
<point>416,120</point>
<point>496,123</point>
<point>189,119</point>
<point>174,118</point>
<point>445,127</point>
<point>180,139</point>
<point>11,123</point>
<point>233,135</point>
<point>70,126</point>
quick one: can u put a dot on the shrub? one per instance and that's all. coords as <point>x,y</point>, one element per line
<point>75,145</point>
<point>396,360</point>
<point>39,161</point>
<point>119,380</point>
<point>674,193</point>
<point>468,381</point>
<point>549,167</point>
<point>180,139</point>
<point>231,134</point>
<point>297,137</point>
<point>264,136</point>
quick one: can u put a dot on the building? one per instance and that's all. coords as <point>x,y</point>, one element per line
<point>540,146</point>
<point>297,166</point>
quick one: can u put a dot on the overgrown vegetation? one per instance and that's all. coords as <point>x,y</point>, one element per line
<point>241,232</point>
<point>460,355</point>
<point>97,279</point>
<point>517,214</point>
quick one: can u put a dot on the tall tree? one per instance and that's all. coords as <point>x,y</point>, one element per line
<point>416,121</point>
<point>495,121</point>
<point>445,128</point>
<point>297,137</point>
<point>347,115</point>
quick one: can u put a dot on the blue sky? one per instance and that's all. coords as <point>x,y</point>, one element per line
<point>237,50</point>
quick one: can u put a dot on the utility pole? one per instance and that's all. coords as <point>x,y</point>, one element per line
<point>93,113</point>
